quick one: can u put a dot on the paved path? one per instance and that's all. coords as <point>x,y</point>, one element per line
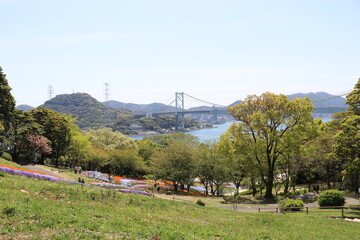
<point>272,207</point>
<point>40,169</point>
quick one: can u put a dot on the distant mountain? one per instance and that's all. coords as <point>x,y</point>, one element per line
<point>235,103</point>
<point>319,99</point>
<point>24,107</point>
<point>89,112</point>
<point>322,99</point>
<point>140,108</point>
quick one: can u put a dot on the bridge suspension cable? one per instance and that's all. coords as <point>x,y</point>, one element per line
<point>203,101</point>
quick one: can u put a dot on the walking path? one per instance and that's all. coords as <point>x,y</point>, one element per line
<point>41,169</point>
<point>271,207</point>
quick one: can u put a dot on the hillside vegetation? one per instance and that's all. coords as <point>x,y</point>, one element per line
<point>89,112</point>
<point>37,209</point>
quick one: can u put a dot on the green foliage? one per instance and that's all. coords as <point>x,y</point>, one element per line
<point>269,125</point>
<point>146,149</point>
<point>56,129</point>
<point>166,139</point>
<point>7,104</point>
<point>124,163</point>
<point>331,198</point>
<point>89,112</point>
<point>291,204</point>
<point>107,139</point>
<point>174,163</point>
<point>9,211</point>
<point>2,174</point>
<point>353,99</point>
<point>347,149</point>
<point>6,156</point>
<point>212,167</point>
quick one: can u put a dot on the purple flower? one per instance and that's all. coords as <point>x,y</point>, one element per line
<point>134,191</point>
<point>29,174</point>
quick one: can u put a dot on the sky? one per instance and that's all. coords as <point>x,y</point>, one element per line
<point>218,51</point>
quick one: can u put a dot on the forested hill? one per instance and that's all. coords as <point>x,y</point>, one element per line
<point>140,108</point>
<point>89,112</point>
<point>24,107</point>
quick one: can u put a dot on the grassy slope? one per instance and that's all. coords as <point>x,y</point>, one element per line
<point>36,209</point>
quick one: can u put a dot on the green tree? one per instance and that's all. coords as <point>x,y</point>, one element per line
<point>124,163</point>
<point>22,125</point>
<point>353,99</point>
<point>347,149</point>
<point>166,139</point>
<point>108,140</point>
<point>7,106</point>
<point>55,128</point>
<point>147,149</point>
<point>234,144</point>
<point>79,144</point>
<point>175,163</point>
<point>268,121</point>
<point>320,152</point>
<point>212,167</point>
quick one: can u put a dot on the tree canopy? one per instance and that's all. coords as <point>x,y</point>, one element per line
<point>270,124</point>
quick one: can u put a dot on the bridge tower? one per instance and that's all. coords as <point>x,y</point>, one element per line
<point>179,109</point>
<point>214,114</point>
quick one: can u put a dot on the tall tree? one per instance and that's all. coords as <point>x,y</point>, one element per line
<point>22,125</point>
<point>353,99</point>
<point>79,144</point>
<point>7,106</point>
<point>212,167</point>
<point>56,129</point>
<point>347,148</point>
<point>175,163</point>
<point>268,122</point>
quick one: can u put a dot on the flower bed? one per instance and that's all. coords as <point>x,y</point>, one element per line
<point>134,191</point>
<point>29,173</point>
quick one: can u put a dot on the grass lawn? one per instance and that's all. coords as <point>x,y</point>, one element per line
<point>37,209</point>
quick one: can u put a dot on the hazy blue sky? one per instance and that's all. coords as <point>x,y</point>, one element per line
<point>220,51</point>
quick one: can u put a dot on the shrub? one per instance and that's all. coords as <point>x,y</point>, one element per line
<point>199,202</point>
<point>2,174</point>
<point>290,205</point>
<point>331,198</point>
<point>9,211</point>
<point>6,156</point>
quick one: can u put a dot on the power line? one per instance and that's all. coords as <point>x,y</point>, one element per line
<point>203,101</point>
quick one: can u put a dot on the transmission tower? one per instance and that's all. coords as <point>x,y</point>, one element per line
<point>107,118</point>
<point>107,91</point>
<point>50,92</point>
<point>179,109</point>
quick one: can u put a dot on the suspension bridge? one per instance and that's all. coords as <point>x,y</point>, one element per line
<point>178,109</point>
